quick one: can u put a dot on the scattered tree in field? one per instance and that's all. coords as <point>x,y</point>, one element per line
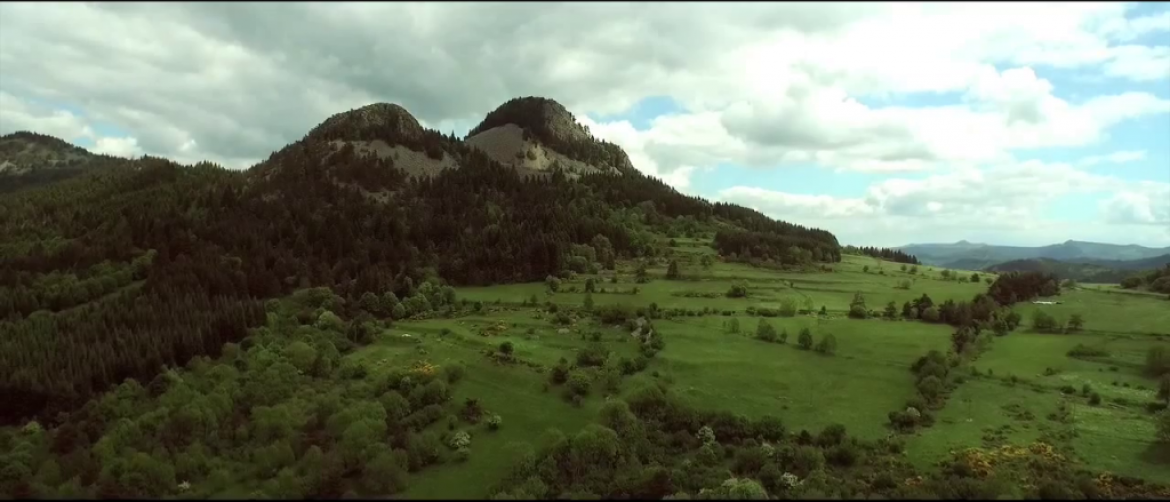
<point>590,285</point>
<point>904,284</point>
<point>908,311</point>
<point>552,283</point>
<point>672,270</point>
<point>827,345</point>
<point>892,310</point>
<point>787,307</point>
<point>914,270</point>
<point>975,277</point>
<point>1043,321</point>
<point>705,261</point>
<point>857,308</point>
<point>494,422</point>
<point>865,269</point>
<point>640,276</point>
<point>946,274</point>
<point>805,339</point>
<point>588,300</point>
<point>930,314</point>
<point>1076,322</point>
<point>765,331</point>
<point>733,326</point>
<point>903,267</point>
<point>808,303</point>
<point>506,349</point>
<point>824,312</point>
<point>783,336</point>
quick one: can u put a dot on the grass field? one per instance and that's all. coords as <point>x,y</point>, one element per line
<point>867,378</point>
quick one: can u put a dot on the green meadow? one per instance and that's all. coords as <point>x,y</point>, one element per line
<point>1023,388</point>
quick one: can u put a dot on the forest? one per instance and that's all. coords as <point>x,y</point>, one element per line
<point>181,279</point>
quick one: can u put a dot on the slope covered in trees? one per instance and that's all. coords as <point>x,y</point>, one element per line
<point>894,255</point>
<point>29,159</point>
<point>94,289</point>
<point>1100,272</point>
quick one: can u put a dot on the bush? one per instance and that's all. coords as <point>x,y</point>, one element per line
<point>454,372</point>
<point>1082,350</point>
<point>1095,399</point>
<point>461,439</point>
<point>828,345</point>
<point>737,291</point>
<point>494,422</point>
<point>578,382</point>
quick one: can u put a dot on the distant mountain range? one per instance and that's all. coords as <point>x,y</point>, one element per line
<point>973,256</point>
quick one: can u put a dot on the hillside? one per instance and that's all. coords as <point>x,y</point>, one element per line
<point>1101,271</point>
<point>29,159</point>
<point>367,203</point>
<point>971,256</point>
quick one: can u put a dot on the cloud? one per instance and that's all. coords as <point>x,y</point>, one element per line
<point>1145,204</point>
<point>1005,200</point>
<point>1118,157</point>
<point>950,89</point>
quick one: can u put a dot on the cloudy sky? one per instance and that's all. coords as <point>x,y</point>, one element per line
<point>1006,123</point>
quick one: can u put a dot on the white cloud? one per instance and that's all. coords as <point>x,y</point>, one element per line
<point>1118,157</point>
<point>1005,200</point>
<point>1147,204</point>
<point>118,147</point>
<point>763,85</point>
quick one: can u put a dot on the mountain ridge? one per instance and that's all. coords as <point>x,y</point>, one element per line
<point>966,255</point>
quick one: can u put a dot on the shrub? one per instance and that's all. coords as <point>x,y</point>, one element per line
<point>737,291</point>
<point>1095,399</point>
<point>828,345</point>
<point>494,422</point>
<point>1082,350</point>
<point>578,382</point>
<point>461,439</point>
<point>454,372</point>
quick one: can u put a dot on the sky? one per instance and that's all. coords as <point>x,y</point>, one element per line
<point>884,123</point>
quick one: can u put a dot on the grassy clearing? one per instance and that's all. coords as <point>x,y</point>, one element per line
<point>867,378</point>
<point>513,391</point>
<point>984,413</point>
<point>1109,312</point>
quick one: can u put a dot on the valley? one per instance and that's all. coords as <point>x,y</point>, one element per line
<point>381,310</point>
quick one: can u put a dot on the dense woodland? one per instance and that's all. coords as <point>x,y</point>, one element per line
<point>894,255</point>
<point>91,280</point>
<point>1157,280</point>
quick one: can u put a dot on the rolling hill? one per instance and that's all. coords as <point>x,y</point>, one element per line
<point>29,159</point>
<point>1099,271</point>
<point>971,256</point>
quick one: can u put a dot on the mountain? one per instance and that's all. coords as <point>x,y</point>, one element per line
<point>1096,271</point>
<point>969,256</point>
<point>119,271</point>
<point>28,159</point>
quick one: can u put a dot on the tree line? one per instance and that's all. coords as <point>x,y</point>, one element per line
<point>894,255</point>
